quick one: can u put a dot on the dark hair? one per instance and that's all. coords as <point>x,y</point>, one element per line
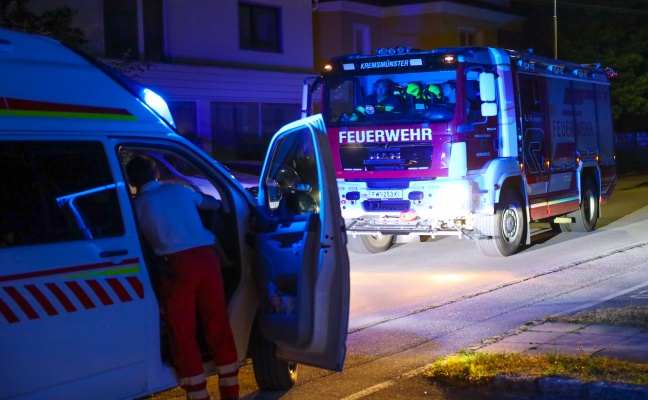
<point>386,81</point>
<point>140,170</point>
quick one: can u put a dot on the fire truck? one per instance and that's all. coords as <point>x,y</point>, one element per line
<point>475,142</point>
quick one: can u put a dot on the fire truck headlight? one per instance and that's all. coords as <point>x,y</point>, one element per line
<point>455,197</point>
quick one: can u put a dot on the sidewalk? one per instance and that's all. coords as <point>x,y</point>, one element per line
<point>624,343</point>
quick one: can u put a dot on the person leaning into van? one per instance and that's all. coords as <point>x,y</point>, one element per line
<point>169,220</point>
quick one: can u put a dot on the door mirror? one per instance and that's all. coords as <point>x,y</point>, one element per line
<point>487,86</point>
<point>487,93</point>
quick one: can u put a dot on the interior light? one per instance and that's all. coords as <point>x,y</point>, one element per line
<point>157,103</point>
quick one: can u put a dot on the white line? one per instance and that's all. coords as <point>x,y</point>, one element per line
<point>386,384</point>
<point>604,299</point>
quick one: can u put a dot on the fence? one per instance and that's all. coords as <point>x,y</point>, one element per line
<point>631,152</point>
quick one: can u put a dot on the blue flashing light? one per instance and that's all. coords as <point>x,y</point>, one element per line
<point>157,103</point>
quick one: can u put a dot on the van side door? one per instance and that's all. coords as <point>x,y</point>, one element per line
<point>74,299</point>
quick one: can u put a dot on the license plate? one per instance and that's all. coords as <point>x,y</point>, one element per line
<point>386,194</point>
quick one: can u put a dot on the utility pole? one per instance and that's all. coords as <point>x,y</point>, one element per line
<point>555,18</point>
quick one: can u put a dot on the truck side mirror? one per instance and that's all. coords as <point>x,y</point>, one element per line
<point>487,94</point>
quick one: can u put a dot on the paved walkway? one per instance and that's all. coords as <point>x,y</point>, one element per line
<point>624,343</point>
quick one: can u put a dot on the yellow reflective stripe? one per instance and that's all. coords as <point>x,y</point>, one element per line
<point>133,269</point>
<point>360,109</point>
<point>192,380</point>
<point>231,381</point>
<point>226,369</point>
<point>389,108</point>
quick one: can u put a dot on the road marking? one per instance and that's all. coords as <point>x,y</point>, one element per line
<point>606,298</point>
<point>389,383</point>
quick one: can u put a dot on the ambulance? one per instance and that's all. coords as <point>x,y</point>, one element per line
<point>79,317</point>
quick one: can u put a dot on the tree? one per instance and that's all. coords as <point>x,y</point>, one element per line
<point>612,34</point>
<point>56,23</point>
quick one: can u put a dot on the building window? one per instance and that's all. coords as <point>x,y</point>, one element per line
<point>467,38</point>
<point>361,39</point>
<point>184,116</point>
<point>244,130</point>
<point>259,27</point>
<point>153,30</point>
<point>128,36</point>
<point>120,29</point>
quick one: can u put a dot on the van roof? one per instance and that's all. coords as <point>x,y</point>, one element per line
<point>47,87</point>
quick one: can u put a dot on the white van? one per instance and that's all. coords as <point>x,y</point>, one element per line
<point>78,311</point>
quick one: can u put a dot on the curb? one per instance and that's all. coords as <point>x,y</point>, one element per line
<point>569,388</point>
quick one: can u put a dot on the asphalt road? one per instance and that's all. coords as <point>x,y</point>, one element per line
<point>420,301</point>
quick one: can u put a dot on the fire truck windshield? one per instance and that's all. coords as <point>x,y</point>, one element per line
<point>390,98</point>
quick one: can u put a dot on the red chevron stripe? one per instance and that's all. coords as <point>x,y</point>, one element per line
<point>42,300</point>
<point>80,294</point>
<point>136,285</point>
<point>61,297</point>
<point>22,303</point>
<point>7,313</point>
<point>119,289</point>
<point>100,292</point>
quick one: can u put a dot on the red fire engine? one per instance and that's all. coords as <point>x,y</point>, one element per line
<point>476,142</point>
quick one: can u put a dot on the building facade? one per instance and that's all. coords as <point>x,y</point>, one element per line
<point>232,70</point>
<point>362,26</point>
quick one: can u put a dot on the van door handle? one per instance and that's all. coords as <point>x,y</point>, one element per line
<point>114,253</point>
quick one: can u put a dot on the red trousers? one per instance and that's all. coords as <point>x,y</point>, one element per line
<point>197,289</point>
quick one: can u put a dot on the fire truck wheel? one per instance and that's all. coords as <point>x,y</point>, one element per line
<point>369,244</point>
<point>584,219</point>
<point>508,227</point>
<point>270,373</point>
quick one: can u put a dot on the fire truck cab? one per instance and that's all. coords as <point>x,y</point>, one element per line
<point>79,318</point>
<point>475,142</point>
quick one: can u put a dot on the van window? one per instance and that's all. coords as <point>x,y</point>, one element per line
<point>55,192</point>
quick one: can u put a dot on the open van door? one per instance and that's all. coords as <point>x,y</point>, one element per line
<point>303,263</point>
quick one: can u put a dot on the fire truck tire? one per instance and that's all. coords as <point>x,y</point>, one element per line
<point>584,219</point>
<point>507,226</point>
<point>270,373</point>
<point>369,244</point>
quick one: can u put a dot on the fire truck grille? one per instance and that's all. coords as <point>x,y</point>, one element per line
<point>385,205</point>
<point>391,157</point>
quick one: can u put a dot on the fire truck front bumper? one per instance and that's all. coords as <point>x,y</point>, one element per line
<point>394,225</point>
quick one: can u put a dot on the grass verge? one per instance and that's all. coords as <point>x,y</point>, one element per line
<point>474,368</point>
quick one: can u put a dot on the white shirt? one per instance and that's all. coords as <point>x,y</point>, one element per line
<point>169,219</point>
